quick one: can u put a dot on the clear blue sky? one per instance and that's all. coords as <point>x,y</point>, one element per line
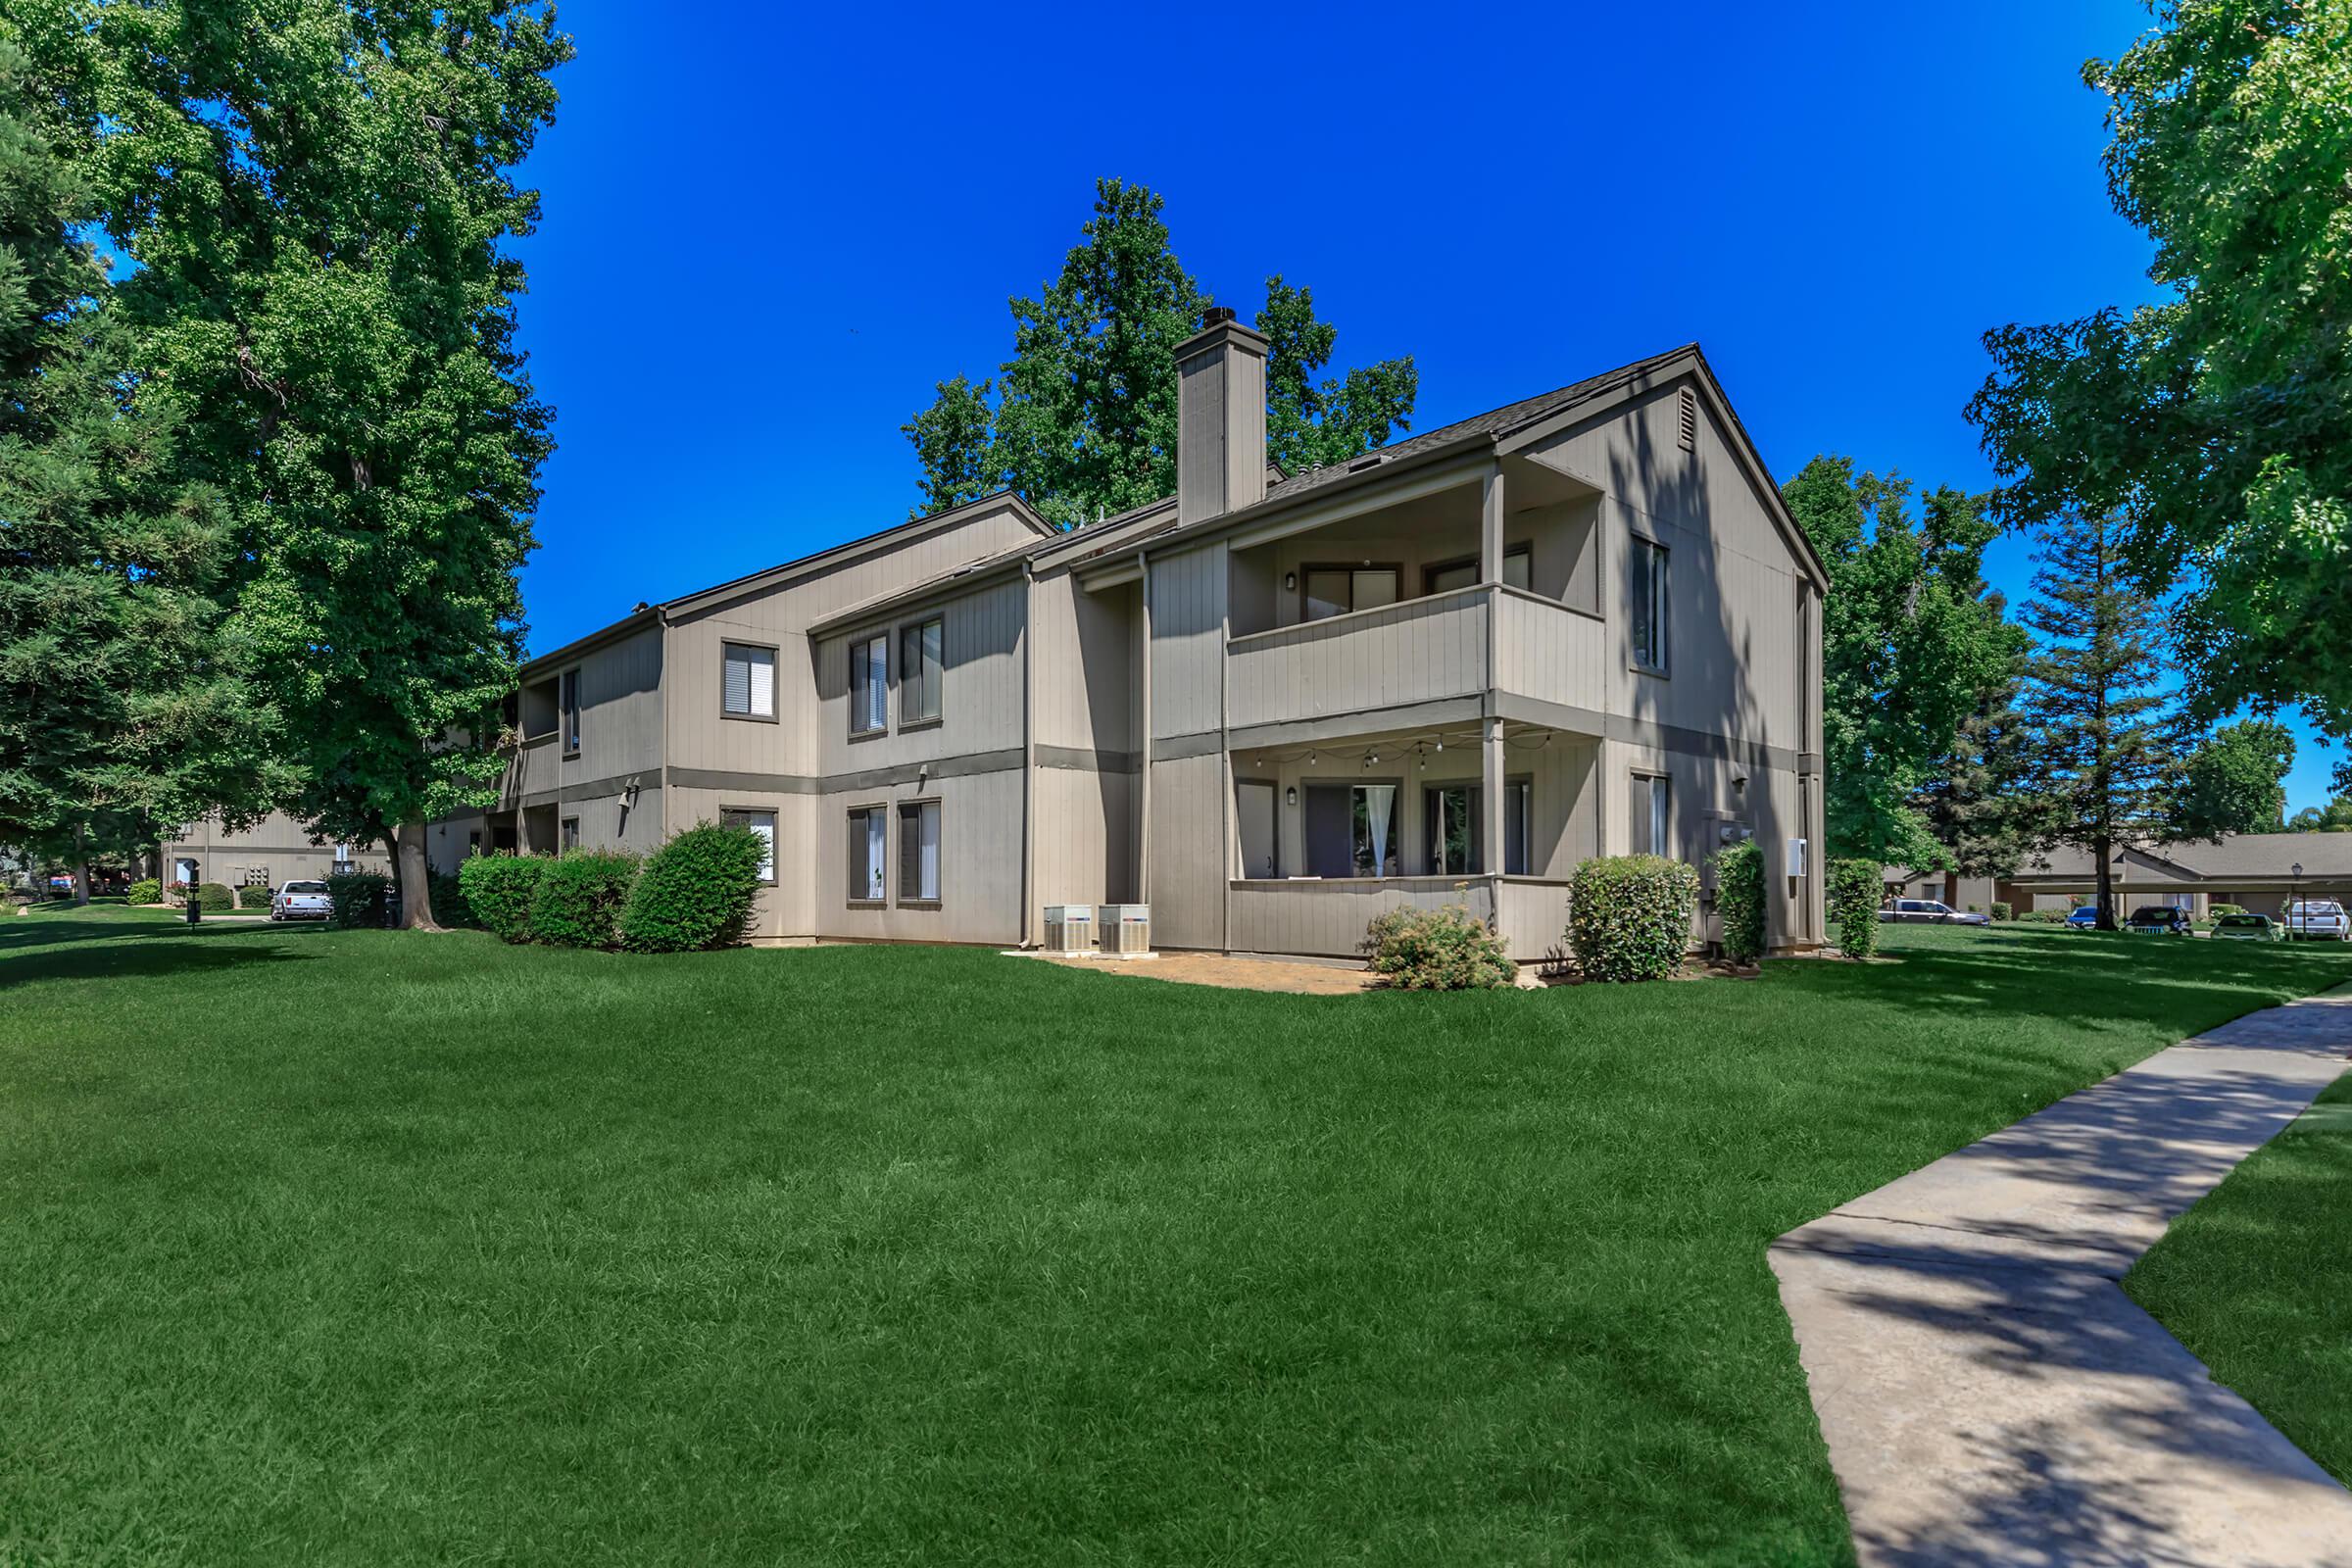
<point>769,231</point>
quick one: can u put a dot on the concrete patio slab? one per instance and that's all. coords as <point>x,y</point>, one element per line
<point>1988,1393</point>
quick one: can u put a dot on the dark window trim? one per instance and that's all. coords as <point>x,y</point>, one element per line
<point>1655,774</point>
<point>900,809</point>
<point>565,716</point>
<point>568,824</point>
<point>1662,670</point>
<point>1306,566</point>
<point>774,827</point>
<point>775,683</point>
<point>1430,569</point>
<point>859,731</point>
<point>1274,785</point>
<point>851,814</point>
<point>1526,781</point>
<point>899,635</point>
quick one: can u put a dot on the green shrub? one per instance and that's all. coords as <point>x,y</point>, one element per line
<point>580,898</point>
<point>146,890</point>
<point>2217,910</point>
<point>253,899</point>
<point>1438,950</point>
<point>1739,899</point>
<point>499,889</point>
<point>2044,916</point>
<point>1629,916</point>
<point>695,891</point>
<point>448,893</point>
<point>215,898</point>
<point>2002,912</point>
<point>1857,888</point>
<point>356,900</point>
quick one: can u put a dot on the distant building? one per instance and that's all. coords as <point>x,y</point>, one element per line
<point>271,853</point>
<point>2254,870</point>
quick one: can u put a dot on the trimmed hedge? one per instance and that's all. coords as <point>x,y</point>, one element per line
<point>2002,912</point>
<point>499,889</point>
<point>1629,916</point>
<point>147,890</point>
<point>1857,888</point>
<point>1739,899</point>
<point>354,899</point>
<point>255,897</point>
<point>2044,916</point>
<point>580,897</point>
<point>1438,950</point>
<point>695,891</point>
<point>213,897</point>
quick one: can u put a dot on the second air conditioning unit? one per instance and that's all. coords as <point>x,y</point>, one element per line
<point>1124,928</point>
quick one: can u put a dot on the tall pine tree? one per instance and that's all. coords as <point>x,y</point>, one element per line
<point>1980,804</point>
<point>319,194</point>
<point>1081,420</point>
<point>124,707</point>
<point>2103,737</point>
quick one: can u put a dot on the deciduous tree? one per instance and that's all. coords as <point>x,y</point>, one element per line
<point>2234,781</point>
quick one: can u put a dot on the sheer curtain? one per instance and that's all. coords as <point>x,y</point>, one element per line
<point>1380,803</point>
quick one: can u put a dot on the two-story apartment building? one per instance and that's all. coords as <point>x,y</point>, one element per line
<point>267,854</point>
<point>1269,706</point>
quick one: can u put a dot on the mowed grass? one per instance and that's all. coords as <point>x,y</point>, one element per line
<point>2256,1280</point>
<point>372,1248</point>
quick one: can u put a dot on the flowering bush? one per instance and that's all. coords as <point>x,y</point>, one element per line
<point>1438,950</point>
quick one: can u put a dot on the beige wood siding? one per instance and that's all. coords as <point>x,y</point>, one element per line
<point>980,708</point>
<point>1085,837</point>
<point>1547,651</point>
<point>980,864</point>
<point>621,711</point>
<point>1187,628</point>
<point>1189,865</point>
<point>1414,652</point>
<point>1328,918</point>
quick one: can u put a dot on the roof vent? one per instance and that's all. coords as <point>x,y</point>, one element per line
<point>1689,407</point>
<point>1361,463</point>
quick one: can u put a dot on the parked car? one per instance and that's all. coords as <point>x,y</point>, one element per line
<point>1926,911</point>
<point>2160,919</point>
<point>2086,918</point>
<point>300,901</point>
<point>2318,920</point>
<point>2247,928</point>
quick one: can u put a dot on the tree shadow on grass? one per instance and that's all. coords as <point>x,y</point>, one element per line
<point>67,949</point>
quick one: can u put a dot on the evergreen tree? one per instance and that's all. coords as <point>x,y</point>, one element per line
<point>2103,736</point>
<point>1980,804</point>
<point>1081,421</point>
<point>124,699</point>
<point>320,195</point>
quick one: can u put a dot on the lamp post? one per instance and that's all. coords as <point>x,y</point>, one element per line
<point>2294,874</point>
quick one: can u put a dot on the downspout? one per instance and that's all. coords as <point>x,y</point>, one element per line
<point>661,701</point>
<point>1028,751</point>
<point>1143,815</point>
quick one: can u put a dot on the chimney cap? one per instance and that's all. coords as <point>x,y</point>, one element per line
<point>1216,316</point>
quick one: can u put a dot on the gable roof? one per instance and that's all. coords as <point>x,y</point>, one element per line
<point>2247,856</point>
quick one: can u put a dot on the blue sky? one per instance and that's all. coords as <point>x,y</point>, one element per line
<point>764,242</point>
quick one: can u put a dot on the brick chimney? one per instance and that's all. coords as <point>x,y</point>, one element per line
<point>1220,418</point>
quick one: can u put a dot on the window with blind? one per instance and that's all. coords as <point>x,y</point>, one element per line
<point>569,834</point>
<point>747,681</point>
<point>919,672</point>
<point>763,825</point>
<point>919,852</point>
<point>1518,571</point>
<point>1649,605</point>
<point>869,686</point>
<point>568,705</point>
<point>867,826</point>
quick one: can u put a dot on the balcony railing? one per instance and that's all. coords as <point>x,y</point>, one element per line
<point>1417,651</point>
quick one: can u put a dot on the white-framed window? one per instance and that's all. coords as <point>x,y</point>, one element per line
<point>568,709</point>
<point>919,671</point>
<point>869,685</point>
<point>763,825</point>
<point>1652,815</point>
<point>869,829</point>
<point>1649,605</point>
<point>747,681</point>
<point>919,852</point>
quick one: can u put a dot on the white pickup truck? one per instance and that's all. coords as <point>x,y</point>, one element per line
<point>2318,920</point>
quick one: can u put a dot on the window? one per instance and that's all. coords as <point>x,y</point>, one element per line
<point>1328,591</point>
<point>867,826</point>
<point>473,843</point>
<point>919,851</point>
<point>1651,823</point>
<point>1649,605</point>
<point>747,681</point>
<point>1518,571</point>
<point>342,855</point>
<point>919,672</point>
<point>1351,829</point>
<point>568,705</point>
<point>568,836</point>
<point>869,686</point>
<point>762,823</point>
<point>1457,828</point>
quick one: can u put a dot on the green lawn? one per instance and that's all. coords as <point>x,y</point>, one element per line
<point>372,1247</point>
<point>2257,1281</point>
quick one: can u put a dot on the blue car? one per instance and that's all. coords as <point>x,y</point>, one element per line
<point>2087,918</point>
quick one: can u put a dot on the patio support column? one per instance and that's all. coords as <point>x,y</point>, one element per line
<point>1489,524</point>
<point>1489,796</point>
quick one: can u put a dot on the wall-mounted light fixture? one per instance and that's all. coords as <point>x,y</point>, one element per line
<point>1740,781</point>
<point>1290,582</point>
<point>1289,796</point>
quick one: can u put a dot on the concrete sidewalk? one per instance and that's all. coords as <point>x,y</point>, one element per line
<point>1988,1393</point>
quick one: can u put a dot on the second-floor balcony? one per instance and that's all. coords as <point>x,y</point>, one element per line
<point>1442,647</point>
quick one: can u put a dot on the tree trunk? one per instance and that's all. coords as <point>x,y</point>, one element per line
<point>82,868</point>
<point>2104,849</point>
<point>415,889</point>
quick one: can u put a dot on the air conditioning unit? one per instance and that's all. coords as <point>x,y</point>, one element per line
<point>1125,928</point>
<point>1069,928</point>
